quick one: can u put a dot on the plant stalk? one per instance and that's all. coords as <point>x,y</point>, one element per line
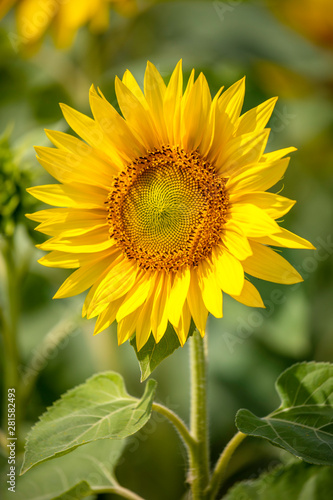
<point>222,464</point>
<point>9,330</point>
<point>179,425</point>
<point>199,461</point>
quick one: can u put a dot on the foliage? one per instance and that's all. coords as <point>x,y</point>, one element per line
<point>298,481</point>
<point>152,354</point>
<point>302,424</point>
<point>85,471</point>
<point>98,409</point>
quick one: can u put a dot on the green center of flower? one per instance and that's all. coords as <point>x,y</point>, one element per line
<point>167,209</point>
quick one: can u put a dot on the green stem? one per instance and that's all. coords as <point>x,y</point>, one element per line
<point>199,461</point>
<point>120,491</point>
<point>9,331</point>
<point>179,424</point>
<point>222,465</point>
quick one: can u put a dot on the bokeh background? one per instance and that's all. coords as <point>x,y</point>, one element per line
<point>285,49</point>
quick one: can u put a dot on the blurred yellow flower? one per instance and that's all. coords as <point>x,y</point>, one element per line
<point>165,208</point>
<point>312,18</point>
<point>62,17</point>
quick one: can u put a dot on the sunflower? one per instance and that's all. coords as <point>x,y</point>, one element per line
<point>64,17</point>
<point>164,208</point>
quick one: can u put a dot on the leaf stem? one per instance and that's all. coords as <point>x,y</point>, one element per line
<point>199,461</point>
<point>222,464</point>
<point>120,491</point>
<point>178,423</point>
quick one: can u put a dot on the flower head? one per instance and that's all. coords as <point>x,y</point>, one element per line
<point>63,17</point>
<point>165,208</point>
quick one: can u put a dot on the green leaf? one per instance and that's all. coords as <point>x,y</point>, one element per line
<point>298,481</point>
<point>152,354</point>
<point>87,470</point>
<point>303,424</point>
<point>98,409</point>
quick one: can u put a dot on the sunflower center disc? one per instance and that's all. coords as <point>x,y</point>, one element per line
<point>167,209</point>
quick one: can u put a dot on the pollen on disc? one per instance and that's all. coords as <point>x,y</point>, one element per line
<point>167,209</point>
<point>161,209</point>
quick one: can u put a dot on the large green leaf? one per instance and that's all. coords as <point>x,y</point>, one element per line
<point>152,354</point>
<point>87,470</point>
<point>98,409</point>
<point>303,424</point>
<point>298,481</point>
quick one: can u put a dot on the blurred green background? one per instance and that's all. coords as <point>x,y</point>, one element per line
<point>248,348</point>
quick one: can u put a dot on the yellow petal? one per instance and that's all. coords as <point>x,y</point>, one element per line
<point>205,148</point>
<point>188,89</point>
<point>155,89</point>
<point>116,283</point>
<point>73,195</point>
<point>197,307</point>
<point>231,101</point>
<point>74,145</point>
<point>172,104</point>
<point>67,167</point>
<point>241,151</point>
<point>114,127</point>
<point>99,19</point>
<point>46,215</point>
<point>107,317</point>
<point>81,279</point>
<point>249,296</point>
<point>255,119</point>
<point>277,155</point>
<point>210,290</point>
<point>159,316</point>
<point>285,238</point>
<point>229,106</point>
<point>60,214</point>
<point>95,241</point>
<point>66,222</point>
<point>136,296</point>
<point>76,12</point>
<point>69,260</point>
<point>194,115</point>
<point>130,82</point>
<point>267,265</point>
<point>253,221</point>
<point>183,325</point>
<point>91,293</point>
<point>143,326</point>
<point>259,177</point>
<point>30,25</point>
<point>229,271</point>
<point>136,116</point>
<point>91,132</point>
<point>178,294</point>
<point>274,205</point>
<point>236,242</point>
<point>126,327</point>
